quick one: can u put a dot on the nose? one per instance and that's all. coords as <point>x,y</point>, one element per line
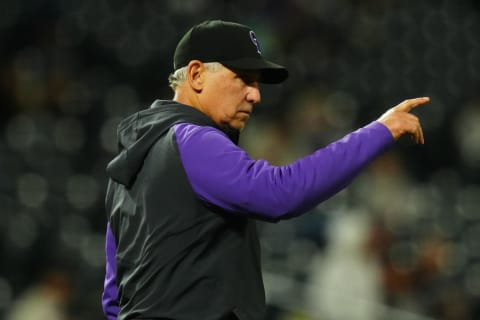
<point>253,94</point>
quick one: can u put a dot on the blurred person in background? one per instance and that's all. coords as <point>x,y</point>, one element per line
<point>183,198</point>
<point>347,273</point>
<point>46,299</point>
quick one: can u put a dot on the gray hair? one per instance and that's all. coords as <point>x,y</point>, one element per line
<point>180,75</point>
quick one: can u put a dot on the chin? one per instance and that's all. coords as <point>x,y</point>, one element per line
<point>235,125</point>
<point>239,126</point>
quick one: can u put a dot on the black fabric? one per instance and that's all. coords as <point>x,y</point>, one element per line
<point>232,44</point>
<point>176,259</point>
<point>137,133</point>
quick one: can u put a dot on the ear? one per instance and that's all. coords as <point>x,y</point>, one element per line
<point>196,75</point>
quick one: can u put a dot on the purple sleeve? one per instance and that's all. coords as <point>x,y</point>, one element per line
<point>109,296</point>
<point>224,174</point>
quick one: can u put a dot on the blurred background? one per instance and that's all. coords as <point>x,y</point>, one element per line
<point>402,242</point>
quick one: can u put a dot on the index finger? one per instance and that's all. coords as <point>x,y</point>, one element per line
<point>409,104</point>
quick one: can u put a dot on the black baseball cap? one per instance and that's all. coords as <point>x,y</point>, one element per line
<point>232,44</point>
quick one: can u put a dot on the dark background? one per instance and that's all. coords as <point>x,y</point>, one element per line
<point>70,70</point>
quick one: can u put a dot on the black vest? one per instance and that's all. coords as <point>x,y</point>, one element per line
<point>177,256</point>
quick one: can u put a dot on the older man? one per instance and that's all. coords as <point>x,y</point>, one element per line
<point>183,198</point>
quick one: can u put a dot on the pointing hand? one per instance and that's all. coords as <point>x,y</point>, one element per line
<point>400,121</point>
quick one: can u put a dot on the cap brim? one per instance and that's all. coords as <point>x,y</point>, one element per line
<point>269,72</point>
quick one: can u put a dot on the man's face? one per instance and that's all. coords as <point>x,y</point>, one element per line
<point>228,97</point>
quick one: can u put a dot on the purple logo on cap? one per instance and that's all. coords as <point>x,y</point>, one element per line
<point>255,42</point>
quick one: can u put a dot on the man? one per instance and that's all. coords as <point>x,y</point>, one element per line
<point>183,198</point>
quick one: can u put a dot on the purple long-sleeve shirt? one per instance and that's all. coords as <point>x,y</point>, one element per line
<point>224,175</point>
<point>110,293</point>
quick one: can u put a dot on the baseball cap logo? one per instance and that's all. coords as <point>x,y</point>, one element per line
<point>255,42</point>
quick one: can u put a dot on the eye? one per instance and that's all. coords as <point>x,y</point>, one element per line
<point>248,77</point>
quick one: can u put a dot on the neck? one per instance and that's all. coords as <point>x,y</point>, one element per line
<point>187,99</point>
